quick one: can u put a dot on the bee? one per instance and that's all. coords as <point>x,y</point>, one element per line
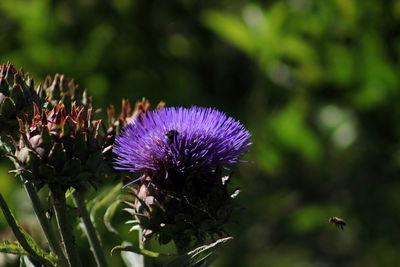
<point>171,135</point>
<point>337,221</point>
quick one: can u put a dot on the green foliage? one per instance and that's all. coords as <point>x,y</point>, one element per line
<point>196,257</point>
<point>12,248</point>
<point>25,241</point>
<point>315,81</point>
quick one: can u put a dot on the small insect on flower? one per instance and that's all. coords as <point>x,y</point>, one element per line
<point>337,221</point>
<point>171,135</point>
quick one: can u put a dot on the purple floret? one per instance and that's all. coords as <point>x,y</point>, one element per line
<point>182,141</point>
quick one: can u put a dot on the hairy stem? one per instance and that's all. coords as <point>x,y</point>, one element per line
<point>40,212</point>
<point>64,227</point>
<point>89,229</point>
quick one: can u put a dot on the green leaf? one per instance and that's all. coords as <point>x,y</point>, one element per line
<point>104,198</point>
<point>24,239</point>
<point>108,216</point>
<point>12,248</point>
<point>131,259</point>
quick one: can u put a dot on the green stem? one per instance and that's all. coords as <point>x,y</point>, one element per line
<point>45,224</point>
<point>147,262</point>
<point>29,246</point>
<point>89,229</point>
<point>64,227</point>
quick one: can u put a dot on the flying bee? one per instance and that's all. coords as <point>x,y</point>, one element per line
<point>337,221</point>
<point>171,135</point>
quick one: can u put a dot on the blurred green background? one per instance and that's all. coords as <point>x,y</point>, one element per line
<point>315,82</point>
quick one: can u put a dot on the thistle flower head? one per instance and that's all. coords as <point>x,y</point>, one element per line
<point>180,154</point>
<point>116,122</point>
<point>181,141</point>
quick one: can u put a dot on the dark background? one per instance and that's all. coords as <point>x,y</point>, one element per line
<point>315,82</point>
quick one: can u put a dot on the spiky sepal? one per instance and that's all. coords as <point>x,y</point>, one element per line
<point>17,95</point>
<point>191,215</point>
<point>59,89</point>
<point>60,147</point>
<point>127,114</point>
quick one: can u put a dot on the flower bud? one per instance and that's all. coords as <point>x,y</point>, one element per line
<point>60,147</point>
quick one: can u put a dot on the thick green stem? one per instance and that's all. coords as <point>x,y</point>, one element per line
<point>64,227</point>
<point>40,212</point>
<point>89,229</point>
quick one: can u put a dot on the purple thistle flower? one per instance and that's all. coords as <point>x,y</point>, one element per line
<point>181,142</point>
